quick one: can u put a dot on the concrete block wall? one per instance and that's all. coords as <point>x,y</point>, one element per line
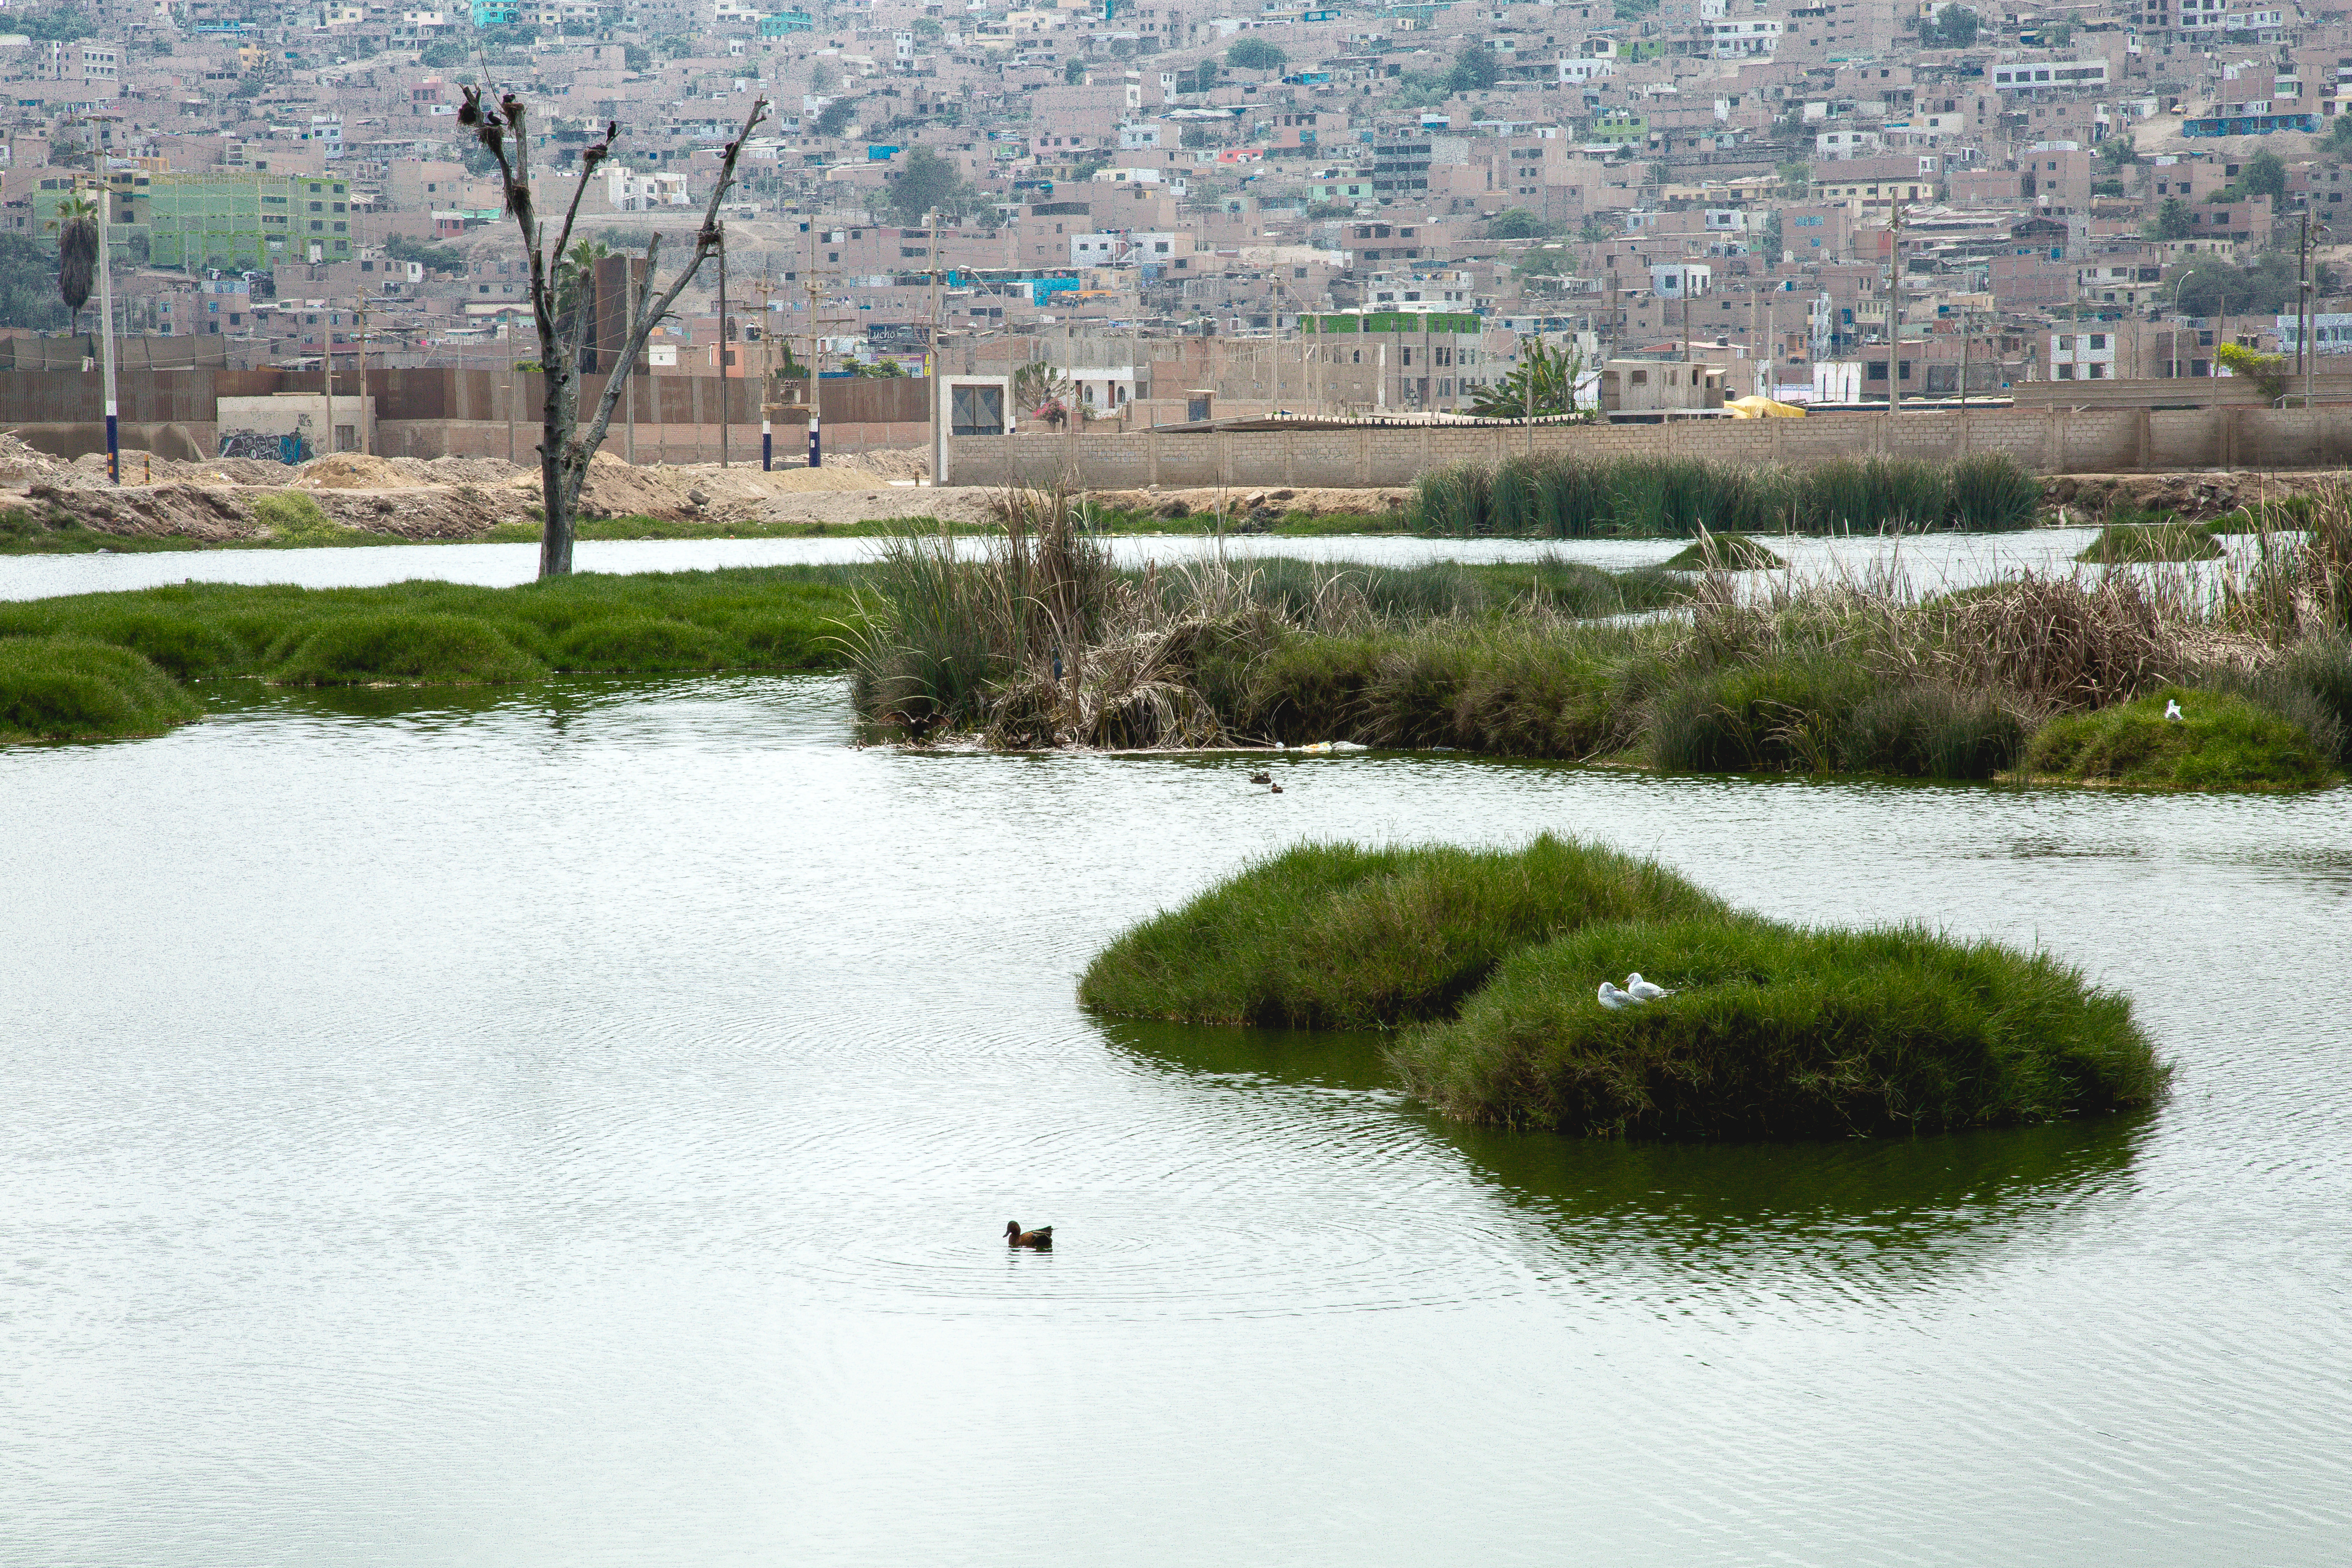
<point>2048,440</point>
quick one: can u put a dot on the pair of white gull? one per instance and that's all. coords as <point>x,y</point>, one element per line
<point>1636,990</point>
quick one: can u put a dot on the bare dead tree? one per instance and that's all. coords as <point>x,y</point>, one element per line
<point>565,451</point>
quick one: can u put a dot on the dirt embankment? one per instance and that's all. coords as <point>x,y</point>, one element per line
<point>458,498</point>
<point>465,498</point>
<point>2194,497</point>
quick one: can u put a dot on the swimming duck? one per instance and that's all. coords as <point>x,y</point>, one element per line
<point>1042,1239</point>
<point>1277,789</point>
<point>1261,778</point>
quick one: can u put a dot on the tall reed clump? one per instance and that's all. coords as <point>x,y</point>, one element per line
<point>1337,936</point>
<point>1561,496</point>
<point>1777,1031</point>
<point>1034,640</point>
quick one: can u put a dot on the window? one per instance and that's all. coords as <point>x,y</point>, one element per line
<point>976,410</point>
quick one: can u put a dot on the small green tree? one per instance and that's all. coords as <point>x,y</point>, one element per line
<point>2267,371</point>
<point>1594,231</point>
<point>1073,70</point>
<point>1796,174</point>
<point>1475,68</point>
<point>1255,54</point>
<point>835,117</point>
<point>1516,223</point>
<point>2263,175</point>
<point>2174,220</point>
<point>926,183</point>
<point>2119,151</point>
<point>636,56</point>
<point>1951,28</point>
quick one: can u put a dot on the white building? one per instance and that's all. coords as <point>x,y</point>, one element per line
<point>628,191</point>
<point>1680,280</point>
<point>2046,74</point>
<point>2082,356</point>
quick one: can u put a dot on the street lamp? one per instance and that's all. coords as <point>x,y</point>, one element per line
<point>105,299</point>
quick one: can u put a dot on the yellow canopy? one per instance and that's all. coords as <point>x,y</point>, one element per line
<point>1760,407</point>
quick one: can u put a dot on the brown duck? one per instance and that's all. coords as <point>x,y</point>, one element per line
<point>1042,1238</point>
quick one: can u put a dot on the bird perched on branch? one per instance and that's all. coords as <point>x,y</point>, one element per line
<point>603,149</point>
<point>513,107</point>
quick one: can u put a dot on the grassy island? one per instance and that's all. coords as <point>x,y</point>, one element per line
<point>1334,936</point>
<point>2125,544</point>
<point>2220,742</point>
<point>1726,552</point>
<point>1491,960</point>
<point>74,689</point>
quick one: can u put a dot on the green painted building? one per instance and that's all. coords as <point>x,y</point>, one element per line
<point>224,218</point>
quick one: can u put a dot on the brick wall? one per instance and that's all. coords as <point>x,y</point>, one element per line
<point>2048,440</point>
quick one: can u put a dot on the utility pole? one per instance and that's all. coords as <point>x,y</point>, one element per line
<point>2306,320</point>
<point>816,448</point>
<point>362,303</point>
<point>327,365</point>
<point>939,364</point>
<point>1894,311</point>
<point>725,413</point>
<point>106,311</point>
<point>629,331</point>
<point>510,385</point>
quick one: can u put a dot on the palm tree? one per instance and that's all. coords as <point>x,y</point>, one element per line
<point>77,226</point>
<point>1552,372</point>
<point>575,282</point>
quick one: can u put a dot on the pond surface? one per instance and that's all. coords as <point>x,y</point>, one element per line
<point>1933,562</point>
<point>575,1127</point>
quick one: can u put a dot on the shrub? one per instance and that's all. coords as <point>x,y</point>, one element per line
<point>403,646</point>
<point>1334,936</point>
<point>72,689</point>
<point>1777,1032</point>
<point>2224,742</point>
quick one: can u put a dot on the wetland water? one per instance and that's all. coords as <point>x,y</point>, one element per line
<point>575,1126</point>
<point>1934,562</point>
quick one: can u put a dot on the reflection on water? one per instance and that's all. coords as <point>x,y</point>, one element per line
<point>1732,1215</point>
<point>575,1125</point>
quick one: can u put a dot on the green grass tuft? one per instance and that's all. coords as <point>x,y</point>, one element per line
<point>2132,544</point>
<point>1778,1032</point>
<point>2224,742</point>
<point>1334,936</point>
<point>73,688</point>
<point>1731,551</point>
<point>404,645</point>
